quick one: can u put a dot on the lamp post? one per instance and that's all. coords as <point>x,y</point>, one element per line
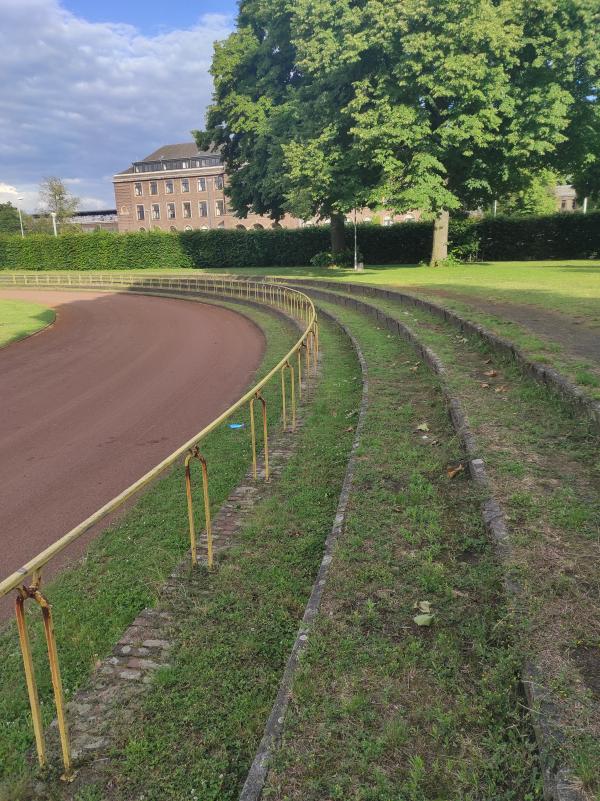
<point>19,199</point>
<point>53,215</point>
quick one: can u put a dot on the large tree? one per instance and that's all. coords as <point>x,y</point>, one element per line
<point>429,104</point>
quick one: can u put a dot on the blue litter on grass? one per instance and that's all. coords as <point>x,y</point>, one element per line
<point>237,425</point>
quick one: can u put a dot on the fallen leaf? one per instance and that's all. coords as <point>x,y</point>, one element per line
<point>501,388</point>
<point>423,620</point>
<point>350,428</point>
<point>422,427</point>
<point>491,373</point>
<point>413,369</point>
<point>453,471</point>
<point>484,385</point>
<point>488,361</point>
<point>423,606</point>
<point>459,594</point>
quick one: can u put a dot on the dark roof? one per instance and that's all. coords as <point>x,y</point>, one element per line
<point>93,213</point>
<point>185,150</point>
<point>181,151</point>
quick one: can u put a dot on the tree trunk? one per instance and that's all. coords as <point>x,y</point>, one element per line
<point>439,250</point>
<point>338,233</point>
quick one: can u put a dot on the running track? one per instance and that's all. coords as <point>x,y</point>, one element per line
<point>93,402</point>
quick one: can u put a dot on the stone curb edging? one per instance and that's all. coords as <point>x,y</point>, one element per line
<point>547,376</point>
<point>257,775</point>
<point>559,784</point>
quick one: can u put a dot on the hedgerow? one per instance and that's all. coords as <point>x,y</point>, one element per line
<point>558,236</point>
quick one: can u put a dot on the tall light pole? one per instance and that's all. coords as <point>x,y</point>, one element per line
<point>19,199</point>
<point>53,215</point>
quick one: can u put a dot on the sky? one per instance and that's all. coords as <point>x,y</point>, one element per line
<point>89,87</point>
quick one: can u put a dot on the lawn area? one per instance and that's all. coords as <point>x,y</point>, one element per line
<point>19,319</point>
<point>570,287</point>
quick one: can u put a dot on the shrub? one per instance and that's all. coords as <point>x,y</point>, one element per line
<point>558,236</point>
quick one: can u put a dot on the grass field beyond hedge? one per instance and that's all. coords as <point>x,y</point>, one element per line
<point>19,319</point>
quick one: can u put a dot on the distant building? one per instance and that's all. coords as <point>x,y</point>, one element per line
<point>179,188</point>
<point>566,198</point>
<point>102,220</point>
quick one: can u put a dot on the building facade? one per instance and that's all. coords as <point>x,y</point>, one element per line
<point>179,188</point>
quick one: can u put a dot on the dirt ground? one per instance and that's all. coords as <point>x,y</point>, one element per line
<point>569,332</point>
<point>94,401</point>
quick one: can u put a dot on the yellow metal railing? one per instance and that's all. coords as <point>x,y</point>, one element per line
<point>292,302</point>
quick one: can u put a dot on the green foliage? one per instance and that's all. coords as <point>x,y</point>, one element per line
<point>536,197</point>
<point>558,236</point>
<point>57,199</point>
<point>9,219</point>
<point>326,105</point>
<point>344,258</point>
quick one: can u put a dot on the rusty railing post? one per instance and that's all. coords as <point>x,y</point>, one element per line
<point>59,700</point>
<point>195,454</point>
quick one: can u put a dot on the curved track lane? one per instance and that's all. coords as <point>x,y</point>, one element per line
<point>91,403</point>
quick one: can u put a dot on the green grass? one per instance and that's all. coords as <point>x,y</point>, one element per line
<point>545,469</point>
<point>383,709</point>
<point>197,731</point>
<point>124,568</point>
<point>19,319</point>
<point>571,287</point>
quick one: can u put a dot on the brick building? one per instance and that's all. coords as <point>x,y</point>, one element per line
<point>179,188</point>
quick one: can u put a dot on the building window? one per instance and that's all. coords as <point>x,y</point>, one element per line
<point>155,211</point>
<point>137,189</point>
<point>170,211</point>
<point>201,184</point>
<point>187,210</point>
<point>218,182</point>
<point>219,208</point>
<point>169,187</point>
<point>203,208</point>
<point>140,212</point>
<point>185,184</point>
<point>574,205</point>
<point>185,165</point>
<point>563,205</point>
<point>153,188</point>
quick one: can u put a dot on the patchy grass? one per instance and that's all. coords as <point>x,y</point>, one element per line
<point>197,731</point>
<point>19,319</point>
<point>545,469</point>
<point>97,599</point>
<point>383,708</point>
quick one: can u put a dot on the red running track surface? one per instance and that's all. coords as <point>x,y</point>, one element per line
<point>90,404</point>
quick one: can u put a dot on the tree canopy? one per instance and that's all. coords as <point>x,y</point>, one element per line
<point>56,198</point>
<point>321,106</point>
<point>9,219</point>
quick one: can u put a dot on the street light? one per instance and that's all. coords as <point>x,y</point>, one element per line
<point>53,215</point>
<point>19,199</point>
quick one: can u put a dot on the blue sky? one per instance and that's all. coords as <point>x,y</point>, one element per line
<point>89,87</point>
<point>149,17</point>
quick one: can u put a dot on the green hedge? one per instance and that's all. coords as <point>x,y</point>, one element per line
<point>559,236</point>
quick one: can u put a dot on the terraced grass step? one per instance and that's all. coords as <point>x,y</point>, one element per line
<point>384,708</point>
<point>544,467</point>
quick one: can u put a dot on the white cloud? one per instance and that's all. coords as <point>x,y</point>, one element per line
<point>82,100</point>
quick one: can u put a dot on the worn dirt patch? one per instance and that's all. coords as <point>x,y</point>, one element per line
<point>569,332</point>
